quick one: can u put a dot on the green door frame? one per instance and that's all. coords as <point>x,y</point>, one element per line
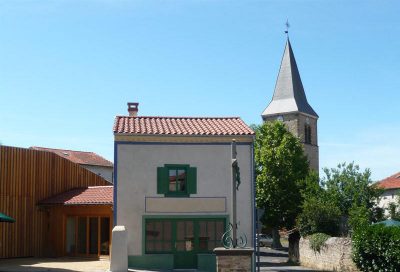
<point>183,259</point>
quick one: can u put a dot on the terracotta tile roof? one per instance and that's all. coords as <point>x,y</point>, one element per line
<point>392,182</point>
<point>92,195</point>
<point>203,126</point>
<point>79,157</point>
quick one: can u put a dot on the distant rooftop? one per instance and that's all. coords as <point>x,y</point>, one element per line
<point>392,182</point>
<point>92,195</point>
<point>79,157</point>
<point>191,126</point>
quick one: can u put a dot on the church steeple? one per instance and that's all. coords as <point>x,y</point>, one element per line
<point>289,95</point>
<point>289,104</point>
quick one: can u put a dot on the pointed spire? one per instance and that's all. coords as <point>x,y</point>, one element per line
<point>289,95</point>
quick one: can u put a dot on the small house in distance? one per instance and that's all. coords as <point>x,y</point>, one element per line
<point>89,160</point>
<point>391,187</point>
<point>172,187</point>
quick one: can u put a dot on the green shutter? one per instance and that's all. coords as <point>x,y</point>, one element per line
<point>162,180</point>
<point>192,180</point>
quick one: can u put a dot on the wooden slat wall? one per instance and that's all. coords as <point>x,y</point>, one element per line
<point>26,177</point>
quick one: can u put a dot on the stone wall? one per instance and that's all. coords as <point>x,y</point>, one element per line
<point>234,259</point>
<point>335,255</point>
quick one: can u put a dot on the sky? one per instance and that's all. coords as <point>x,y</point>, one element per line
<point>68,67</point>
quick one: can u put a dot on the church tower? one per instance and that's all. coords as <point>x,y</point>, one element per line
<point>289,105</point>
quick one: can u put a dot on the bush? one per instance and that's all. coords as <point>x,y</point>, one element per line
<point>377,248</point>
<point>319,215</point>
<point>317,241</point>
<point>359,217</point>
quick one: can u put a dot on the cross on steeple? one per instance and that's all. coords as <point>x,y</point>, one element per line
<point>287,28</point>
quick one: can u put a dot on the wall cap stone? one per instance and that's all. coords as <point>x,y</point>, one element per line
<point>221,251</point>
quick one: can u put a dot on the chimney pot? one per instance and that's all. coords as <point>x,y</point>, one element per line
<point>133,108</point>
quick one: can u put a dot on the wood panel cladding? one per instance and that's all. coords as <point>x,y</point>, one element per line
<point>26,177</point>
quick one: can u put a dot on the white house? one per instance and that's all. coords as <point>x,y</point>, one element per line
<point>172,187</point>
<point>391,186</point>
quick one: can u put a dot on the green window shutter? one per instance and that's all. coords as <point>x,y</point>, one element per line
<point>192,180</point>
<point>162,180</point>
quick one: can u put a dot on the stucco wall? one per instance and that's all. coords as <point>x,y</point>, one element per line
<point>335,255</point>
<point>137,179</point>
<point>387,197</point>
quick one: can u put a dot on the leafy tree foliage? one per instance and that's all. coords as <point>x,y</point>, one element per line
<point>281,168</point>
<point>350,188</point>
<point>345,199</point>
<point>320,214</point>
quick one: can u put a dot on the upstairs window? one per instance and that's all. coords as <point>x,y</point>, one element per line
<point>176,180</point>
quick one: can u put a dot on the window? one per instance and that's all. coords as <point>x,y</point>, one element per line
<point>210,235</point>
<point>307,134</point>
<point>176,180</point>
<point>158,236</point>
<point>197,235</point>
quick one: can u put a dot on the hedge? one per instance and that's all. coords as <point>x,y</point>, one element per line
<point>377,248</point>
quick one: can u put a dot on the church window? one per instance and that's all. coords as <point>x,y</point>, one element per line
<point>307,134</point>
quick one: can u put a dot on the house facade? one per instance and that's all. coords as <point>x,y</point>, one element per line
<point>391,187</point>
<point>172,188</point>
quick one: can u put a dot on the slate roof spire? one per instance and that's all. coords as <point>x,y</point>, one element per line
<point>289,95</point>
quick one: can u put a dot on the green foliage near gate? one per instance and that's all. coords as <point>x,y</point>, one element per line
<point>377,248</point>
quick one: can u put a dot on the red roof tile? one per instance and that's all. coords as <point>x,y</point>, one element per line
<point>79,157</point>
<point>154,125</point>
<point>392,182</point>
<point>93,195</point>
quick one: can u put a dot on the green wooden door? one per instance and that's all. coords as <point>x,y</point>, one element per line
<point>185,241</point>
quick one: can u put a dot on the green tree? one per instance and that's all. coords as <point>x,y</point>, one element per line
<point>320,214</point>
<point>353,192</point>
<point>345,200</point>
<point>281,168</point>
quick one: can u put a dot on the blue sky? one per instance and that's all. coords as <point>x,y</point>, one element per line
<point>68,67</point>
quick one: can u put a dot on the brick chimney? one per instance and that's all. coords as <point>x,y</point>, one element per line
<point>133,108</point>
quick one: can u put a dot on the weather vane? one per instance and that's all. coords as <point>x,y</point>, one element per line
<point>287,28</point>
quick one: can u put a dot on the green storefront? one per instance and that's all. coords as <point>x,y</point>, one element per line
<point>180,242</point>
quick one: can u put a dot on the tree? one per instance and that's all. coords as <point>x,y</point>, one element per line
<point>353,192</point>
<point>344,193</point>
<point>319,212</point>
<point>281,168</point>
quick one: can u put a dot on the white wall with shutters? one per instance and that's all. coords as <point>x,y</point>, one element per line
<point>137,179</point>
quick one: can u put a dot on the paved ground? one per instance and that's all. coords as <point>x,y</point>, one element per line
<point>270,260</point>
<point>53,265</point>
<point>276,260</point>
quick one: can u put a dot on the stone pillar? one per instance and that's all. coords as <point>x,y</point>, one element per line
<point>234,259</point>
<point>119,250</point>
